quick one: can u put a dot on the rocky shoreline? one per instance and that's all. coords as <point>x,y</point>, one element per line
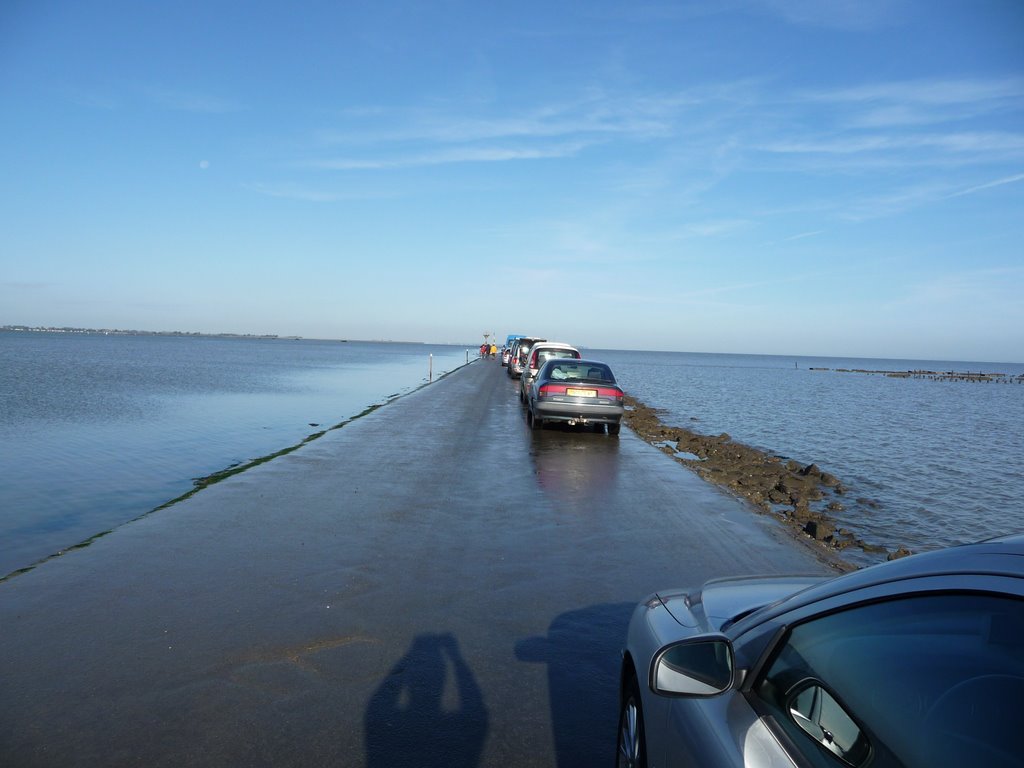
<point>800,495</point>
<point>998,378</point>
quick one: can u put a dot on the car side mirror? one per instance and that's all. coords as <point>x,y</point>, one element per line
<point>821,717</point>
<point>702,666</point>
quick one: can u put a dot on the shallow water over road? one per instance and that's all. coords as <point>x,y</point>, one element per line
<point>96,430</point>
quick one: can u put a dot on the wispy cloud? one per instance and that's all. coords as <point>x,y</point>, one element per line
<point>716,228</point>
<point>803,235</point>
<point>293,191</point>
<point>992,141</point>
<point>989,185</point>
<point>942,92</point>
<point>892,202</point>
<point>593,116</point>
<point>444,156</point>
<point>888,146</point>
<point>901,199</point>
<point>174,100</point>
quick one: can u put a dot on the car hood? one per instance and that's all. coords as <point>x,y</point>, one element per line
<point>720,602</point>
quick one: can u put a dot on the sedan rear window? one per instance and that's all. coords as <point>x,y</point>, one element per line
<point>543,355</point>
<point>586,372</point>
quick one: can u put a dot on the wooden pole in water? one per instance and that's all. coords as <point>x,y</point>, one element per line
<point>430,370</point>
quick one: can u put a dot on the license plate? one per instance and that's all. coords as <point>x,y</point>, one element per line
<point>581,392</point>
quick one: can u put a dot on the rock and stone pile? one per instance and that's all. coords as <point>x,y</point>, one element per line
<point>800,494</point>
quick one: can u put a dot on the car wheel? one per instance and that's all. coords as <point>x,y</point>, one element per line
<point>632,752</point>
<point>532,420</point>
<point>613,429</point>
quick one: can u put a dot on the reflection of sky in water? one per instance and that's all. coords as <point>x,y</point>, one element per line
<point>95,430</point>
<point>575,468</point>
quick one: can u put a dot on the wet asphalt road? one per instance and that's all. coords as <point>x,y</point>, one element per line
<point>432,584</point>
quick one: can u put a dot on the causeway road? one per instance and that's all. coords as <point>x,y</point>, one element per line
<point>432,584</point>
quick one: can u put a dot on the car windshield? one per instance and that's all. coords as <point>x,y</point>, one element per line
<point>576,371</point>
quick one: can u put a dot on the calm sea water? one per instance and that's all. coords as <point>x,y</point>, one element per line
<point>96,430</point>
<point>927,463</point>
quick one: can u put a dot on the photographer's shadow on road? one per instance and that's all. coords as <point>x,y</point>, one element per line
<point>583,652</point>
<point>412,720</point>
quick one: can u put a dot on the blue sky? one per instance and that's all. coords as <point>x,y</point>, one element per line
<point>821,177</point>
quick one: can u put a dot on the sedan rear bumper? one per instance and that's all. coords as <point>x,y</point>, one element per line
<point>577,411</point>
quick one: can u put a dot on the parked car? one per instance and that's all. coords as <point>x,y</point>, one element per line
<point>540,353</point>
<point>506,353</point>
<point>512,351</point>
<point>917,663</point>
<point>576,392</point>
<point>512,356</point>
<point>518,359</point>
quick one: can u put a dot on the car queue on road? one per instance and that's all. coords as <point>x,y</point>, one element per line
<point>557,385</point>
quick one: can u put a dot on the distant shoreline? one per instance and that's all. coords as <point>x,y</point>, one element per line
<point>197,334</point>
<point>129,332</point>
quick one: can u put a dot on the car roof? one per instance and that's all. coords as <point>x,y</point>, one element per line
<point>1003,556</point>
<point>576,361</point>
<point>554,362</point>
<point>961,567</point>
<point>554,345</point>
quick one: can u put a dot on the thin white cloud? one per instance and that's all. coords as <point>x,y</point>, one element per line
<point>938,92</point>
<point>907,198</point>
<point>804,235</point>
<point>989,185</point>
<point>591,116</point>
<point>452,155</point>
<point>991,141</point>
<point>893,202</point>
<point>717,228</point>
<point>293,192</point>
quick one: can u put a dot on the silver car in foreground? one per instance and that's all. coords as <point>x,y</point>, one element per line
<point>917,663</point>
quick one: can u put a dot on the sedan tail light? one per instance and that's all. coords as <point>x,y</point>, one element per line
<point>551,389</point>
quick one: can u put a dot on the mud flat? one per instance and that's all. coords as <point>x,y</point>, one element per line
<point>977,377</point>
<point>801,495</point>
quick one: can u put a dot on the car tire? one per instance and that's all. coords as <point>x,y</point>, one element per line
<point>532,420</point>
<point>631,750</point>
<point>613,429</point>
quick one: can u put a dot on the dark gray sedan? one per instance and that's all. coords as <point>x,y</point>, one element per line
<point>575,391</point>
<point>917,663</point>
